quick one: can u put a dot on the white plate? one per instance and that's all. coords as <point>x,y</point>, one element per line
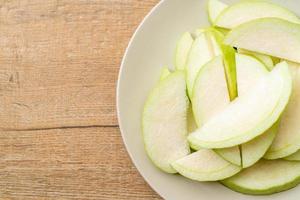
<point>152,47</point>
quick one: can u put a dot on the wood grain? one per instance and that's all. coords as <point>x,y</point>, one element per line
<point>59,62</point>
<point>69,49</point>
<point>88,163</point>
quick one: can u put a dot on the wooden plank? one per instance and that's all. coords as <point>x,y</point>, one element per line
<point>68,106</point>
<point>47,47</point>
<point>59,61</point>
<point>88,163</point>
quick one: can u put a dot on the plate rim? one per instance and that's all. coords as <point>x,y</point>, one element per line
<point>137,30</point>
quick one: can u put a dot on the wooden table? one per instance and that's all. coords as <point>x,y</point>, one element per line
<point>59,61</point>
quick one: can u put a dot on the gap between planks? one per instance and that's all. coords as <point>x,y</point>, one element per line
<point>63,127</point>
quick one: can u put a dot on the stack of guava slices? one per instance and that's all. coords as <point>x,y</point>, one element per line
<point>230,110</point>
